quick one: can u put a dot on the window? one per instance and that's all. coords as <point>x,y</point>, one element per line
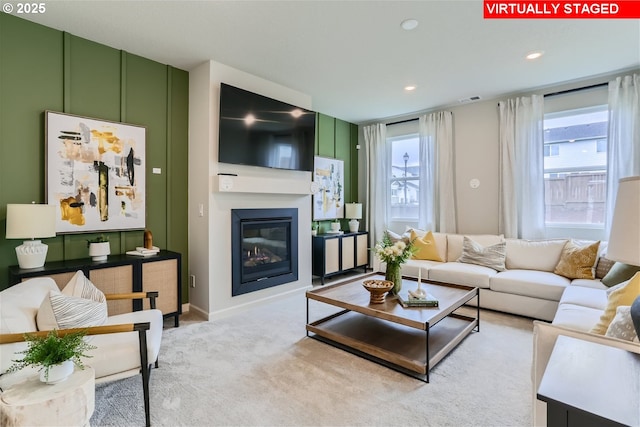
<point>575,167</point>
<point>405,177</point>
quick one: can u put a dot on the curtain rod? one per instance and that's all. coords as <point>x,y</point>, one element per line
<point>563,92</point>
<point>402,121</point>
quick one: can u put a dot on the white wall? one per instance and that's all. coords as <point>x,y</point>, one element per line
<point>210,235</point>
<point>476,153</point>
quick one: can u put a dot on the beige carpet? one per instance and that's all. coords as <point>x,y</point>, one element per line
<point>259,369</point>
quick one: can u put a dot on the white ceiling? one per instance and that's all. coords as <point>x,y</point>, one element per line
<point>352,57</point>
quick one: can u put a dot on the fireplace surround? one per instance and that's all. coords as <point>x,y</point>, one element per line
<point>264,248</point>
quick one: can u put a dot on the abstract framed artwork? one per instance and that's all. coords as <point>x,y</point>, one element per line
<point>95,173</point>
<point>328,201</point>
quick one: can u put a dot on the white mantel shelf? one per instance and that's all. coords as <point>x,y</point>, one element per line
<point>254,184</point>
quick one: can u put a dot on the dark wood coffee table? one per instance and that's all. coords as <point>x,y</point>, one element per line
<point>410,340</point>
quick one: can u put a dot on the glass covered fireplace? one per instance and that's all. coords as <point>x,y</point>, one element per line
<point>264,246</point>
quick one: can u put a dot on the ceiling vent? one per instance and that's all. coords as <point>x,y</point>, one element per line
<point>470,99</point>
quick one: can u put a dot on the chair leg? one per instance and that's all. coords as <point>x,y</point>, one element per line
<point>145,368</point>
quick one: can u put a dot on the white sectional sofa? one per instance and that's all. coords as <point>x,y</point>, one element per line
<point>527,287</point>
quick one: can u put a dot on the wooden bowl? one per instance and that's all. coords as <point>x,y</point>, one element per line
<point>378,289</point>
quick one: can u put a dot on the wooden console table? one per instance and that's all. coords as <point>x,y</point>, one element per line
<point>121,274</point>
<point>589,384</point>
<point>338,253</point>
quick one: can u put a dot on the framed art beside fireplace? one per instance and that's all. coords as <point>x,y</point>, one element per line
<point>95,173</point>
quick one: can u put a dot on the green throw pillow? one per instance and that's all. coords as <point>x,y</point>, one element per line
<point>619,273</point>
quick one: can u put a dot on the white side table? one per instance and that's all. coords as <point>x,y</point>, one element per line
<point>34,403</point>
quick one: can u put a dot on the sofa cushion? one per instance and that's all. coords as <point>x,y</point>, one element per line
<point>542,255</point>
<point>117,353</point>
<point>578,262</point>
<point>576,317</point>
<point>619,273</point>
<point>621,326</point>
<point>588,283</point>
<point>426,247</point>
<point>586,297</point>
<point>412,266</point>
<point>530,283</point>
<point>489,256</point>
<point>59,311</point>
<point>455,242</point>
<point>624,295</point>
<point>462,274</point>
<point>19,304</point>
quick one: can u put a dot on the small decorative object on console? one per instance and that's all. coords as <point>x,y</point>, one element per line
<point>148,239</point>
<point>99,248</point>
<point>378,289</point>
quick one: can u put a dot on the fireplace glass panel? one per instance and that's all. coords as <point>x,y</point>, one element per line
<point>265,250</point>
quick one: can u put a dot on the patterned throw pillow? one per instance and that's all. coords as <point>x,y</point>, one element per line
<point>621,295</point>
<point>622,326</point>
<point>577,262</point>
<point>426,247</point>
<point>491,256</point>
<point>603,267</point>
<point>81,287</point>
<point>59,311</point>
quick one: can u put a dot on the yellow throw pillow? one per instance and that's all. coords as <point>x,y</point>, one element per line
<point>624,295</point>
<point>577,262</point>
<point>426,246</point>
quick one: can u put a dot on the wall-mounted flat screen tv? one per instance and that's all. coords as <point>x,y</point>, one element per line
<point>256,130</point>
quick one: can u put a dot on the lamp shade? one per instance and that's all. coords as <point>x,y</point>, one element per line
<point>624,240</point>
<point>353,210</point>
<point>31,221</point>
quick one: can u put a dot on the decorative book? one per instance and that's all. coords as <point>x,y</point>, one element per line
<point>406,301</point>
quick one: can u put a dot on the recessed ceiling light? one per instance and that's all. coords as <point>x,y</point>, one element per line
<point>409,88</point>
<point>409,24</point>
<point>535,55</point>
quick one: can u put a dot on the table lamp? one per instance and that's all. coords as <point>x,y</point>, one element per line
<point>624,239</point>
<point>31,222</point>
<point>353,211</point>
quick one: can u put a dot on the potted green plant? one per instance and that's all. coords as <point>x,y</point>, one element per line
<point>314,228</point>
<point>54,354</point>
<point>99,248</point>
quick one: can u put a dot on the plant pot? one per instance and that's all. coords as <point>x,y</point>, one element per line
<point>335,227</point>
<point>57,373</point>
<point>99,251</point>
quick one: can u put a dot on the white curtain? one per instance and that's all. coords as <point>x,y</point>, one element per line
<point>437,198</point>
<point>623,151</point>
<point>378,153</point>
<point>521,180</point>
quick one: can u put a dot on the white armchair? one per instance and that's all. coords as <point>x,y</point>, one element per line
<point>126,344</point>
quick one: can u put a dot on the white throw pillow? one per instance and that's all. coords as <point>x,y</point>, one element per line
<point>59,311</point>
<point>488,256</point>
<point>81,287</point>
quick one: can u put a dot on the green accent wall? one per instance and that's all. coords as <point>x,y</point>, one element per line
<point>52,70</point>
<point>337,139</point>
